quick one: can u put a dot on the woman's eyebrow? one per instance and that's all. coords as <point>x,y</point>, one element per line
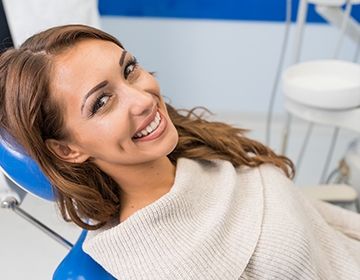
<point>94,89</point>
<point>122,58</point>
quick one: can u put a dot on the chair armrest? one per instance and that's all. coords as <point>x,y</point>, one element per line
<point>77,265</point>
<point>332,193</point>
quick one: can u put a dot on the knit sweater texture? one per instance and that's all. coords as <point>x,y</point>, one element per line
<point>221,222</point>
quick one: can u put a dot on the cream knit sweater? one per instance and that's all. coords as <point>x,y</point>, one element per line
<point>218,222</point>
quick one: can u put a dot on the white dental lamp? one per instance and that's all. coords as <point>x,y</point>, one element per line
<point>326,92</point>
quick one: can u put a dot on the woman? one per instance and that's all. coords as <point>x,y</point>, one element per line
<point>169,196</point>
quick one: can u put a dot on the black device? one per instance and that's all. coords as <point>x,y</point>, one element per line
<point>5,36</point>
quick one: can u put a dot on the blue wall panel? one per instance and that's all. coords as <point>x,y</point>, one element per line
<point>256,10</point>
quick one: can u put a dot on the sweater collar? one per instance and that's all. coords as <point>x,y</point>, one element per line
<point>206,227</point>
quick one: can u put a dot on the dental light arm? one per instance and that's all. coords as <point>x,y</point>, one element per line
<point>335,15</point>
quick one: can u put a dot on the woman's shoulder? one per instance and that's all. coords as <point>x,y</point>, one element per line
<point>266,173</point>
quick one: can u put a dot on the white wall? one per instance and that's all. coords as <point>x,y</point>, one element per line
<point>230,67</point>
<point>222,65</point>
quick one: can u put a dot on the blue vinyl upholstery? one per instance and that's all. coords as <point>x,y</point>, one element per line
<point>79,266</point>
<point>25,173</point>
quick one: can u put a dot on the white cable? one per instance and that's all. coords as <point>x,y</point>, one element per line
<point>336,130</point>
<point>303,148</point>
<point>344,25</point>
<point>278,72</point>
<point>330,153</point>
<point>357,52</point>
<point>332,174</point>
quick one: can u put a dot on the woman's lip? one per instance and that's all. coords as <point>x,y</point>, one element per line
<point>155,133</point>
<point>148,120</point>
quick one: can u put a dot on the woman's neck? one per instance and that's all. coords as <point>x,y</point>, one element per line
<point>143,185</point>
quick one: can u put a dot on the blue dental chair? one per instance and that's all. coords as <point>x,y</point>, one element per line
<point>24,176</point>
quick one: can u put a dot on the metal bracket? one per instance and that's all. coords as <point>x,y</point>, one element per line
<point>11,203</point>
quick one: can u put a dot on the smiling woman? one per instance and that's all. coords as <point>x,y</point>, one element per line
<point>169,195</point>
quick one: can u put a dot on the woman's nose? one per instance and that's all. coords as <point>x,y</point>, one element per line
<point>140,101</point>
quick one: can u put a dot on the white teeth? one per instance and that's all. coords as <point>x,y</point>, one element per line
<point>157,121</point>
<point>150,128</point>
<point>153,125</point>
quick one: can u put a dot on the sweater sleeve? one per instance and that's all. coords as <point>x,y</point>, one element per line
<point>300,238</point>
<point>338,218</point>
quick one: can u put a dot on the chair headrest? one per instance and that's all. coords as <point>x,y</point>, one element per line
<point>24,171</point>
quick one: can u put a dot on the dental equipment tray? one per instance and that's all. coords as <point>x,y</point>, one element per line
<point>326,84</point>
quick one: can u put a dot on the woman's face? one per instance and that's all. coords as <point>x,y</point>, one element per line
<point>112,107</point>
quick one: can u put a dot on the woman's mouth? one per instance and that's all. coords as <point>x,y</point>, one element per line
<point>150,128</point>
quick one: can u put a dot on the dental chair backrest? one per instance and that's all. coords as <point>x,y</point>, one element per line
<point>25,174</point>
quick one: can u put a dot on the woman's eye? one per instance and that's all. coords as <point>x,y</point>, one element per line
<point>99,103</point>
<point>130,67</point>
<point>128,70</point>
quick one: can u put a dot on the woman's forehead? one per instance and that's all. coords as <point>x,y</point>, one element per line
<point>88,46</point>
<point>83,65</point>
<point>84,56</point>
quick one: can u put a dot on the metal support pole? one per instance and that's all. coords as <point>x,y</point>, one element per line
<point>300,23</point>
<point>12,204</point>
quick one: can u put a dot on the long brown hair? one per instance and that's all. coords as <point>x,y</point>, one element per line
<point>29,116</point>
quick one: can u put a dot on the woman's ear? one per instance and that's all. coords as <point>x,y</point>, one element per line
<point>65,151</point>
